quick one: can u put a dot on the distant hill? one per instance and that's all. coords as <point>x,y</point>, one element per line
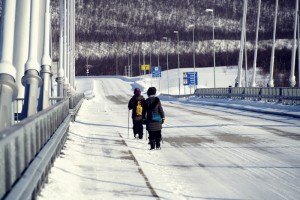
<point>106,30</point>
<point>148,20</point>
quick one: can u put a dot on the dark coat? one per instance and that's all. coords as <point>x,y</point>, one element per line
<point>132,106</point>
<point>153,104</point>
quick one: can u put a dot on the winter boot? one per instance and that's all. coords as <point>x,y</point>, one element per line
<point>158,144</point>
<point>152,144</point>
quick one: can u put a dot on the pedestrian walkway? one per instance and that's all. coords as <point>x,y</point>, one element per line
<point>209,152</point>
<point>96,162</point>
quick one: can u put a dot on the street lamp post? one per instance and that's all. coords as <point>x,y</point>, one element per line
<point>139,62</point>
<point>177,33</point>
<point>271,81</point>
<point>253,84</point>
<point>212,12</point>
<point>192,26</point>
<point>131,71</point>
<point>128,68</point>
<point>165,38</point>
<point>292,79</point>
<point>157,50</point>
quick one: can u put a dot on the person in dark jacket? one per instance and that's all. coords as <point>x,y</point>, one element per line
<point>136,104</point>
<point>154,117</point>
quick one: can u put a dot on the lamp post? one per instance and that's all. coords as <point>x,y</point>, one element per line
<point>128,68</point>
<point>159,44</point>
<point>253,84</point>
<point>271,81</point>
<point>292,79</point>
<point>212,12</point>
<point>131,71</point>
<point>139,61</point>
<point>192,26</point>
<point>157,51</point>
<point>238,80</point>
<point>165,38</point>
<point>158,54</point>
<point>177,33</point>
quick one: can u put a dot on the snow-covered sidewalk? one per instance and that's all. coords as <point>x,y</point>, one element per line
<point>96,162</point>
<point>209,152</point>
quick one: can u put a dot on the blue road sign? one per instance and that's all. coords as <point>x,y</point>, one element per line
<point>156,71</point>
<point>190,78</point>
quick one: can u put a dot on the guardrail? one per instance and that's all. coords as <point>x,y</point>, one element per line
<point>74,104</point>
<point>18,104</point>
<point>28,148</point>
<point>280,95</point>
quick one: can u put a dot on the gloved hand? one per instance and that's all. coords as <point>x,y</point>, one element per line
<point>162,120</point>
<point>144,121</point>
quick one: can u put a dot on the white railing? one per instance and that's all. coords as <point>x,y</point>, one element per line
<point>24,144</point>
<point>272,94</point>
<point>19,102</point>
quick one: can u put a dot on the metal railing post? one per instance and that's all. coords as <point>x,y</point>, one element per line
<point>46,61</point>
<point>253,84</point>
<point>60,75</point>
<point>292,78</point>
<point>8,91</point>
<point>243,32</point>
<point>72,43</point>
<point>21,44</point>
<point>31,79</point>
<point>271,81</point>
<point>298,26</point>
<point>66,67</point>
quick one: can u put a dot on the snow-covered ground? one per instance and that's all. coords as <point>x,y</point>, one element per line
<point>225,76</point>
<point>210,150</point>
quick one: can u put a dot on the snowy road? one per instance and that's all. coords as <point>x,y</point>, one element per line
<point>208,153</point>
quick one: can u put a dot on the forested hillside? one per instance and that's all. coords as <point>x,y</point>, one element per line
<point>148,20</point>
<point>108,30</point>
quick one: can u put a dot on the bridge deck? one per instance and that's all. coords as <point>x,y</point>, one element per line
<point>208,153</point>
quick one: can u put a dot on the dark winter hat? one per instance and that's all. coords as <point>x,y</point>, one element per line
<point>151,91</point>
<point>137,92</point>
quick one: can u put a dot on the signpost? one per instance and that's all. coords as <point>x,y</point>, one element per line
<point>145,67</point>
<point>156,71</point>
<point>190,78</point>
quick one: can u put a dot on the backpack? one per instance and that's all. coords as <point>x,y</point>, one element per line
<point>139,108</point>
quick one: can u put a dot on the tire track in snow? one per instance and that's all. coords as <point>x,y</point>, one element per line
<point>153,192</point>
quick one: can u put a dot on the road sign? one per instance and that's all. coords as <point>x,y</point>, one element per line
<point>190,78</point>
<point>156,71</point>
<point>145,67</point>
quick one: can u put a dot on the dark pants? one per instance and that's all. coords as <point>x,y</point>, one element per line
<point>138,128</point>
<point>154,139</point>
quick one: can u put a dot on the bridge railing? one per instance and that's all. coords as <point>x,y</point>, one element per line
<point>18,104</point>
<point>281,95</point>
<point>22,143</point>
